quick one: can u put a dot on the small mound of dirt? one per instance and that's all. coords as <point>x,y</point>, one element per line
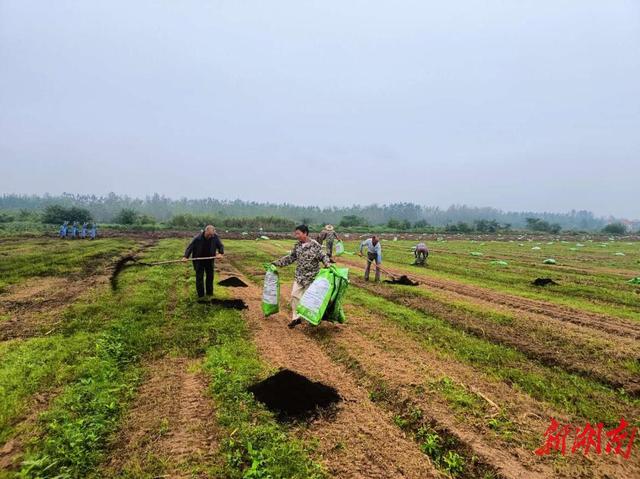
<point>292,396</point>
<point>229,303</point>
<point>543,282</point>
<point>118,267</point>
<point>403,280</point>
<point>233,282</point>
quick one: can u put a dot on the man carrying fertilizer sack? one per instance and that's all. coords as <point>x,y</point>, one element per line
<point>309,254</point>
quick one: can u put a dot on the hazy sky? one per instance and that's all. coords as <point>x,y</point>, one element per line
<point>515,104</point>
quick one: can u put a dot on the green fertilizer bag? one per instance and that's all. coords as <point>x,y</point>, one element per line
<point>271,291</point>
<point>316,298</point>
<point>334,311</point>
<point>339,248</point>
<point>634,280</point>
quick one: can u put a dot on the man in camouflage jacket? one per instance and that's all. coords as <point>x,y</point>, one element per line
<point>329,234</point>
<point>308,254</point>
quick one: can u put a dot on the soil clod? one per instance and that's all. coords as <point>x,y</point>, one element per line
<point>403,280</point>
<point>117,269</point>
<point>233,282</point>
<point>229,303</point>
<point>292,396</point>
<point>543,282</point>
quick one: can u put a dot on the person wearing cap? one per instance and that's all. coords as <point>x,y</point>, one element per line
<point>329,234</point>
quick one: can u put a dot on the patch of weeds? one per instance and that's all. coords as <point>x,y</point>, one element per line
<point>459,397</point>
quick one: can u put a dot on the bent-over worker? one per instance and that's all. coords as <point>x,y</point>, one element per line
<point>421,253</point>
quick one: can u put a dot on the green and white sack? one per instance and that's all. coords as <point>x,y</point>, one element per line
<point>316,298</point>
<point>339,248</point>
<point>271,291</point>
<point>334,311</point>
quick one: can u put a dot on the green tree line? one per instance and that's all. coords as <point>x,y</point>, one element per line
<point>106,209</point>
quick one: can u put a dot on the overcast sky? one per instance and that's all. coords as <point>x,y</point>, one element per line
<point>520,105</point>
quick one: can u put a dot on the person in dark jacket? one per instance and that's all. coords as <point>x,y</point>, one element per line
<point>206,244</point>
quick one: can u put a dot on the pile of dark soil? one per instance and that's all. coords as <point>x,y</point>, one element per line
<point>117,268</point>
<point>229,303</point>
<point>403,280</point>
<point>292,396</point>
<point>233,282</point>
<point>543,282</point>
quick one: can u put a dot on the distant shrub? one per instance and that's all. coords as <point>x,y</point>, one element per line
<point>129,216</point>
<point>348,221</point>
<point>55,214</point>
<point>615,229</point>
<point>536,224</point>
<point>459,227</point>
<point>6,218</point>
<point>268,223</point>
<point>126,216</point>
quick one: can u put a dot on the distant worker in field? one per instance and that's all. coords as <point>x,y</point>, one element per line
<point>309,254</point>
<point>63,229</point>
<point>421,252</point>
<point>74,230</point>
<point>93,232</point>
<point>205,245</point>
<point>329,235</point>
<point>83,231</point>
<point>374,253</point>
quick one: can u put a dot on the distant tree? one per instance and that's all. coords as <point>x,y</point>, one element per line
<point>393,224</point>
<point>348,221</point>
<point>536,224</point>
<point>460,227</point>
<point>420,224</point>
<point>615,229</point>
<point>55,214</point>
<point>146,219</point>
<point>6,218</point>
<point>126,216</point>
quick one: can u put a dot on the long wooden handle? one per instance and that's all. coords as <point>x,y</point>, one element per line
<point>181,260</point>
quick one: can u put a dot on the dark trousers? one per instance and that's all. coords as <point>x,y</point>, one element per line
<point>330,248</point>
<point>202,284</point>
<point>372,258</point>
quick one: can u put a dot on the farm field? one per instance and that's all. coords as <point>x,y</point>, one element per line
<point>458,376</point>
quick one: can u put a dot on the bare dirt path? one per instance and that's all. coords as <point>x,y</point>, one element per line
<point>360,441</point>
<point>170,428</point>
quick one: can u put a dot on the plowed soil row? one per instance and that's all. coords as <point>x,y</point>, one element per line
<point>609,324</point>
<point>360,441</point>
<point>385,353</point>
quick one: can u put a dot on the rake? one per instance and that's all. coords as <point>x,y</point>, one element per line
<point>131,260</point>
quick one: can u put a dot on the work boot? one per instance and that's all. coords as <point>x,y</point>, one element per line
<point>294,323</point>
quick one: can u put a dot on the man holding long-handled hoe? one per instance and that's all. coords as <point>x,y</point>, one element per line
<point>206,245</point>
<point>374,254</point>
